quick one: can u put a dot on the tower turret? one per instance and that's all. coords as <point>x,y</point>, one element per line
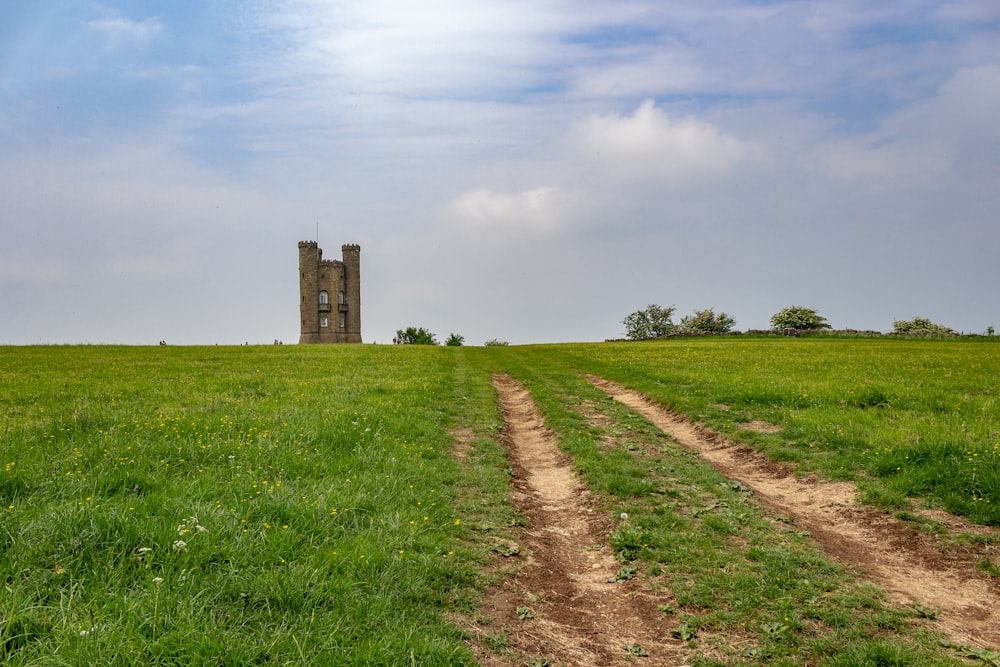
<point>309,258</point>
<point>351,254</point>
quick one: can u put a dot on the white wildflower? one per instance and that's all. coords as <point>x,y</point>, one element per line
<point>179,545</point>
<point>157,580</point>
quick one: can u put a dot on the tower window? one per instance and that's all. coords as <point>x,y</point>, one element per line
<point>324,298</point>
<point>323,322</point>
<point>342,321</point>
<point>340,298</point>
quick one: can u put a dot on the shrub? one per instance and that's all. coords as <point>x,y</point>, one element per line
<point>797,317</point>
<point>652,322</point>
<point>920,326</point>
<point>706,321</point>
<point>493,342</point>
<point>455,340</point>
<point>414,336</point>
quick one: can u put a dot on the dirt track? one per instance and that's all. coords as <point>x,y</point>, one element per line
<point>562,605</point>
<point>912,566</point>
<point>578,616</point>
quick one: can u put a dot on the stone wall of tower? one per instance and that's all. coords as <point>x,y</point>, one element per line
<point>309,256</point>
<point>329,295</point>
<point>352,292</point>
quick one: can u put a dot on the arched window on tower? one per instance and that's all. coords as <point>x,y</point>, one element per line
<point>340,298</point>
<point>324,298</point>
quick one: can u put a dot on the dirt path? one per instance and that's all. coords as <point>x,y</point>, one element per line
<point>914,567</point>
<point>561,605</point>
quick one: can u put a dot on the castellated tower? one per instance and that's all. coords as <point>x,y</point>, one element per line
<point>329,295</point>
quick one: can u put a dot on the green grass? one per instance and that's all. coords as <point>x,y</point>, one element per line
<point>241,506</point>
<point>904,419</point>
<point>324,519</point>
<point>745,587</point>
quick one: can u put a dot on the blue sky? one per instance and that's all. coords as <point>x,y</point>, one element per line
<point>526,171</point>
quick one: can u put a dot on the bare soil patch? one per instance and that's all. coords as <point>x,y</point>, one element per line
<point>463,443</point>
<point>760,426</point>
<point>914,567</point>
<point>562,602</point>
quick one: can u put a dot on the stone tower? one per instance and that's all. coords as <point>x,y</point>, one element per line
<point>329,295</point>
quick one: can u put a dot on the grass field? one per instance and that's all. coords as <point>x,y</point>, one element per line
<point>301,505</point>
<point>239,506</point>
<point>902,418</point>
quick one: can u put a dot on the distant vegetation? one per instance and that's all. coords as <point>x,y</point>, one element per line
<point>706,322</point>
<point>921,326</point>
<point>653,321</point>
<point>656,321</point>
<point>415,336</point>
<point>798,317</point>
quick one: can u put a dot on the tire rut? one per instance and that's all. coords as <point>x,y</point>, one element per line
<point>563,603</point>
<point>913,567</point>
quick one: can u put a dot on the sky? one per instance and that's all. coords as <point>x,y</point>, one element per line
<point>512,169</point>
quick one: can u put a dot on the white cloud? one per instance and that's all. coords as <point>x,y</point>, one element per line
<point>121,32</point>
<point>32,271</point>
<point>931,141</point>
<point>961,118</point>
<point>651,145</point>
<point>489,215</point>
<point>151,268</point>
<point>970,10</point>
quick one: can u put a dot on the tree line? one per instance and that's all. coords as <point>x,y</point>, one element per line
<point>656,321</point>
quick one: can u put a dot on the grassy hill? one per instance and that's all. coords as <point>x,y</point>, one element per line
<point>304,505</point>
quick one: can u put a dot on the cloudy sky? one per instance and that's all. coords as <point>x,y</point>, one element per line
<point>513,169</point>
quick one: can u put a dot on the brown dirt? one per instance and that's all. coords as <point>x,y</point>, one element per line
<point>463,443</point>
<point>760,427</point>
<point>562,602</point>
<point>914,567</point>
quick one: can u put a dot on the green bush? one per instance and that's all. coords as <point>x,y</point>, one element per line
<point>455,340</point>
<point>797,317</point>
<point>415,336</point>
<point>706,321</point>
<point>652,322</point>
<point>920,326</point>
